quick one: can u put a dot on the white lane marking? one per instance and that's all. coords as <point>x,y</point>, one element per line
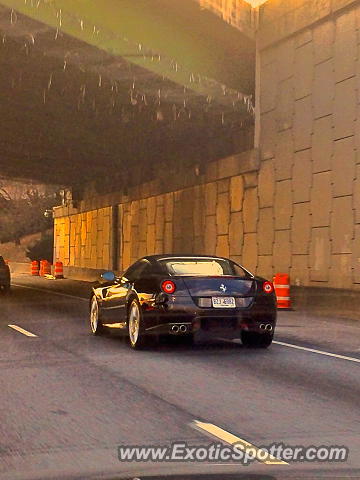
<point>298,347</point>
<point>59,294</point>
<point>22,330</point>
<point>227,437</point>
<point>319,352</point>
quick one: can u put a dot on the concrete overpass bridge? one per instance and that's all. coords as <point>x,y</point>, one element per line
<point>116,91</point>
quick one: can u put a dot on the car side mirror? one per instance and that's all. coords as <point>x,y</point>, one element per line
<point>109,276</point>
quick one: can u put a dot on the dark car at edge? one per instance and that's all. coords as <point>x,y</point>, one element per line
<point>181,295</point>
<point>5,277</point>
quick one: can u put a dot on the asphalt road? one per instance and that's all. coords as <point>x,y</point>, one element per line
<point>68,399</point>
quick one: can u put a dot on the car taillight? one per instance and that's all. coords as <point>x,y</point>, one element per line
<point>168,286</point>
<point>268,287</point>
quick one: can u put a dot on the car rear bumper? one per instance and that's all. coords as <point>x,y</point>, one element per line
<point>230,322</point>
<point>209,328</point>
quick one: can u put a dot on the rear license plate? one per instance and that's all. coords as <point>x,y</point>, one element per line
<point>223,302</point>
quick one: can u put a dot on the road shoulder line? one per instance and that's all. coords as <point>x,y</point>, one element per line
<point>319,352</point>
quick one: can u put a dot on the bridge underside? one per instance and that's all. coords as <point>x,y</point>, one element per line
<point>76,106</point>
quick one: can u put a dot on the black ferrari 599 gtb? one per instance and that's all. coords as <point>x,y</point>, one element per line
<point>182,295</point>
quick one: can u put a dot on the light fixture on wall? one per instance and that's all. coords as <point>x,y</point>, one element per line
<point>199,169</point>
<point>49,214</point>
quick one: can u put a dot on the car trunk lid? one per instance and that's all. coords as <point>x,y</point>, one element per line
<point>222,286</point>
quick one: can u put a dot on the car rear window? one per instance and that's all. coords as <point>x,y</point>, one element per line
<point>202,267</point>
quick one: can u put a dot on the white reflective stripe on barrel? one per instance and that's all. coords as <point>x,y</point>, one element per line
<point>281,286</point>
<point>283,298</point>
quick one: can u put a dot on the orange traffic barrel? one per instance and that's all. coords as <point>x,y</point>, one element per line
<point>282,289</point>
<point>42,268</point>
<point>45,268</point>
<point>35,268</point>
<point>59,270</point>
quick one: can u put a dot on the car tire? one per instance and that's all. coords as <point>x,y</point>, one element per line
<point>187,340</point>
<point>137,338</point>
<point>256,340</point>
<point>96,325</point>
<point>266,340</point>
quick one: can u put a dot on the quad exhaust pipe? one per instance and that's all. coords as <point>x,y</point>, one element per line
<point>178,329</point>
<point>266,326</point>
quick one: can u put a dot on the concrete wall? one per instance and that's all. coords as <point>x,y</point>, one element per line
<point>204,218</point>
<point>216,212</point>
<point>84,239</point>
<point>310,140</point>
<point>281,18</point>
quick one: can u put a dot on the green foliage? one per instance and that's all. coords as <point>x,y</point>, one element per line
<point>43,249</point>
<point>25,216</point>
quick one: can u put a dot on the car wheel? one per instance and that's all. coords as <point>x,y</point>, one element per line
<point>95,322</point>
<point>137,338</point>
<point>256,340</point>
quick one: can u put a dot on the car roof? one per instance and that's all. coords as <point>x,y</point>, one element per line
<point>181,255</point>
<point>156,258</point>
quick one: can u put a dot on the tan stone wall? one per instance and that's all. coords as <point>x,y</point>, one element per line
<point>84,240</point>
<point>281,18</point>
<point>264,221</point>
<point>310,142</point>
<point>218,217</point>
<point>204,218</point>
<point>215,213</point>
